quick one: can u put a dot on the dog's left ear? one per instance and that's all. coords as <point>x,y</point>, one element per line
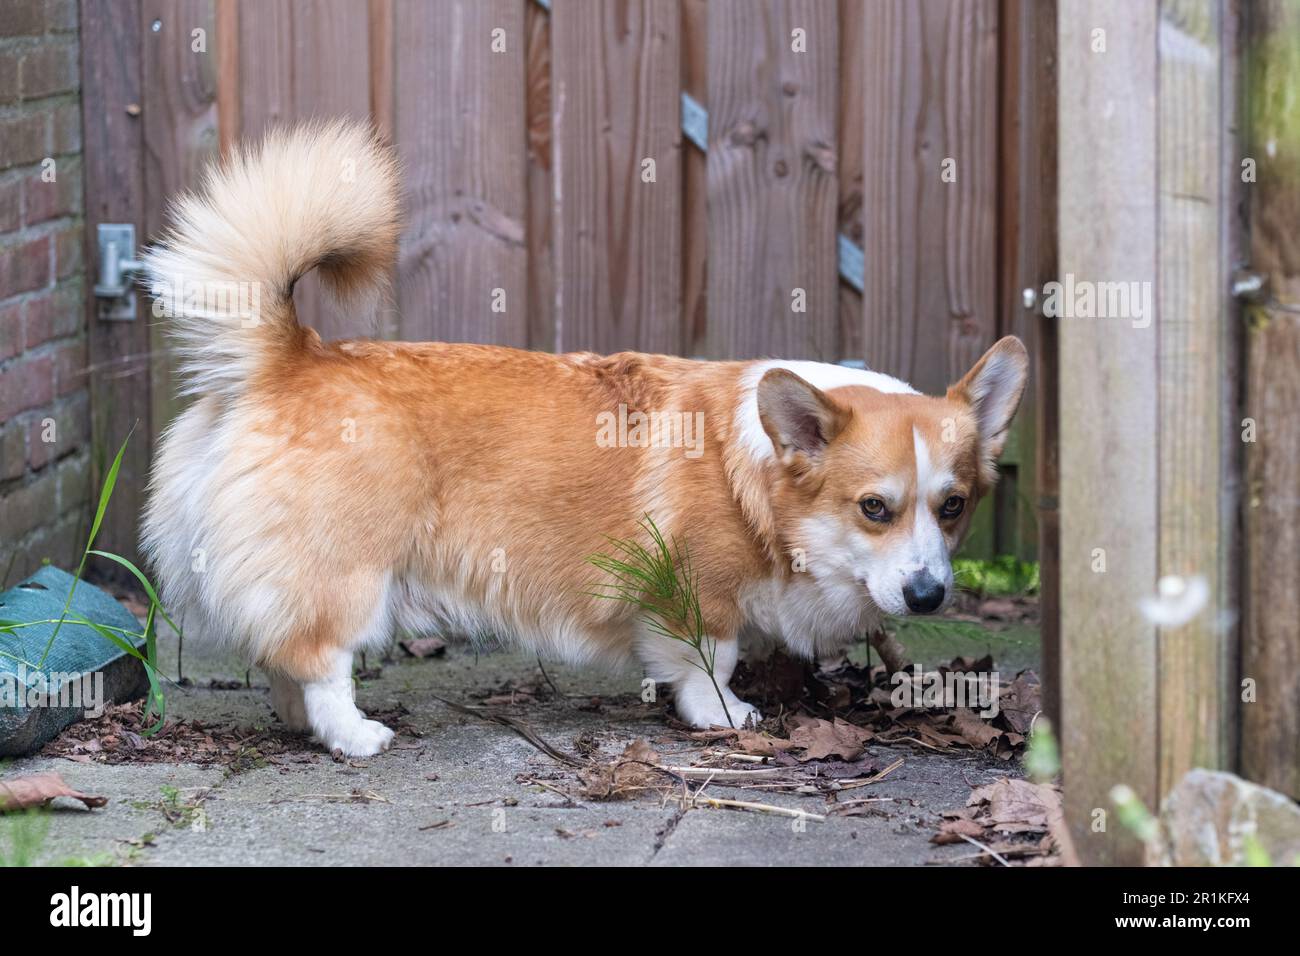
<point>992,388</point>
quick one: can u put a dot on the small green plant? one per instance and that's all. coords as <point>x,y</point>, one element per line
<point>660,582</point>
<point>122,638</point>
<point>1043,757</point>
<point>177,808</point>
<point>22,834</point>
<point>1003,576</point>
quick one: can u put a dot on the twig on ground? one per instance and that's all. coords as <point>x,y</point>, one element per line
<point>875,778</point>
<point>519,727</point>
<point>720,803</point>
<point>554,789</point>
<point>988,850</point>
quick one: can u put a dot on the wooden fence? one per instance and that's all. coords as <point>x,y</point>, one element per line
<point>525,130</point>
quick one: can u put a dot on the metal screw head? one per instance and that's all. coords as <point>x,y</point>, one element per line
<point>156,26</point>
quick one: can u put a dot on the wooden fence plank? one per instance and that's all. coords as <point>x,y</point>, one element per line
<point>541,198</point>
<point>1270,724</point>
<point>1028,520</point>
<point>1027,190</point>
<point>930,96</point>
<point>853,41</point>
<point>695,182</point>
<point>1195,659</point>
<point>460,122</point>
<point>1108,419</point>
<point>113,167</point>
<point>617,105</point>
<point>773,189</point>
<point>181,137</point>
<point>302,59</point>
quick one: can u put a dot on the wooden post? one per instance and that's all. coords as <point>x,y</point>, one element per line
<point>1270,722</point>
<point>1109,399</point>
<point>1147,479</point>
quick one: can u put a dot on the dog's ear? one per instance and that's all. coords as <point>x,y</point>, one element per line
<point>799,418</point>
<point>992,388</point>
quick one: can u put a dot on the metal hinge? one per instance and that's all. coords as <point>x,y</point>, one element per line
<point>117,268</point>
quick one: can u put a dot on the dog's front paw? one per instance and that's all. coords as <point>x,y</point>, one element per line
<point>365,738</point>
<point>703,709</point>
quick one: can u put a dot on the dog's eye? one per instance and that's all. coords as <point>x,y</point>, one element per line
<point>952,507</point>
<point>874,509</point>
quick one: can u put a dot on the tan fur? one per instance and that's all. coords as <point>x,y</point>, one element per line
<point>318,495</point>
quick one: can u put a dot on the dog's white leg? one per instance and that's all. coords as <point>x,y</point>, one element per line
<point>693,693</point>
<point>288,703</point>
<point>333,715</point>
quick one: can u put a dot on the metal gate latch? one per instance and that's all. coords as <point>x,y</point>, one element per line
<point>117,267</point>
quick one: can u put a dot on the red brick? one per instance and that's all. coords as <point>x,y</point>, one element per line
<point>19,18</point>
<point>61,15</point>
<point>8,77</point>
<point>11,330</point>
<point>27,383</point>
<point>38,452</point>
<point>24,266</point>
<point>12,451</point>
<point>52,315</point>
<point>29,506</point>
<point>22,140</point>
<point>66,131</point>
<point>68,252</point>
<point>48,70</point>
<point>10,205</point>
<point>48,200</point>
<point>70,367</point>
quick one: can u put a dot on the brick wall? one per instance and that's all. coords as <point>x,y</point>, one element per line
<point>44,406</point>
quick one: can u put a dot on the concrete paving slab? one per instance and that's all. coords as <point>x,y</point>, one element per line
<point>457,790</point>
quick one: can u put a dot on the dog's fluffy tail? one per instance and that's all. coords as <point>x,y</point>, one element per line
<point>321,195</point>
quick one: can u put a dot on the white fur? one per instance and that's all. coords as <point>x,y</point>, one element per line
<point>822,375</point>
<point>334,718</point>
<point>694,694</point>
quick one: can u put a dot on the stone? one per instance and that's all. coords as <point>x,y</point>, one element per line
<point>1214,818</point>
<point>82,672</point>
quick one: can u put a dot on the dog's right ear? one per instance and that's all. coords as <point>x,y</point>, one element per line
<point>800,419</point>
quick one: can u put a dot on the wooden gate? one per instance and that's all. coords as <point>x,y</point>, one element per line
<point>545,157</point>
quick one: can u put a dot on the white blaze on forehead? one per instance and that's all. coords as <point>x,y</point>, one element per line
<point>930,549</point>
<point>931,480</point>
<point>822,375</point>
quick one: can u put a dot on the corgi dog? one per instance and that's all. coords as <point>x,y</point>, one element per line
<point>318,496</point>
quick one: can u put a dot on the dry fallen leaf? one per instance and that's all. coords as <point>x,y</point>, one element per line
<point>760,744</point>
<point>1021,702</point>
<point>820,739</point>
<point>977,732</point>
<point>1018,803</point>
<point>632,773</point>
<point>20,793</point>
<point>952,831</point>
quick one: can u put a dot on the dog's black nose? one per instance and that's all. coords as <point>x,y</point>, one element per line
<point>923,593</point>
